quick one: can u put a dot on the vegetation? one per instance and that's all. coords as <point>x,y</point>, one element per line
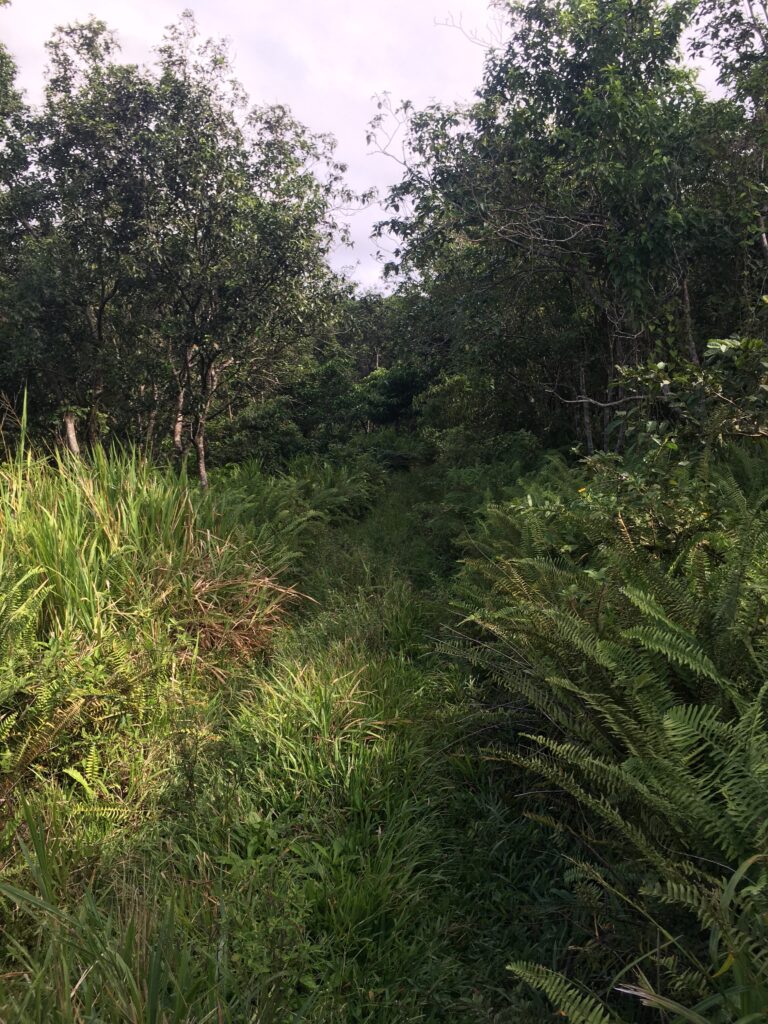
<point>388,657</point>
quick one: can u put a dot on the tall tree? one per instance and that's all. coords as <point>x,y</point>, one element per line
<point>734,35</point>
<point>574,199</point>
<point>177,241</point>
<point>241,225</point>
<point>82,265</point>
<point>14,213</point>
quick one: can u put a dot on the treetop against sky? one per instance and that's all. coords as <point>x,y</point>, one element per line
<point>326,61</point>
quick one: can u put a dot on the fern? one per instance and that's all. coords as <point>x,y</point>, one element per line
<point>639,653</point>
<point>577,1006</point>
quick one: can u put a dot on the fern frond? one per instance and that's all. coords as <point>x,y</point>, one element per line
<point>568,1000</point>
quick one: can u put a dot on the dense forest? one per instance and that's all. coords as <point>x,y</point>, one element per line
<point>391,656</point>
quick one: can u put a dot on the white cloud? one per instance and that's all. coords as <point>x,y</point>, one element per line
<point>325,60</point>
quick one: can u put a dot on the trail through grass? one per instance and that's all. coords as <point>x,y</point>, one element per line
<point>309,837</point>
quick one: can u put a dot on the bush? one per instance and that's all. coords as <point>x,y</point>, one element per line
<point>628,618</point>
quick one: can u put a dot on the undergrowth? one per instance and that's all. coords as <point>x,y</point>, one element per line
<point>265,759</point>
<point>291,822</point>
<point>625,615</point>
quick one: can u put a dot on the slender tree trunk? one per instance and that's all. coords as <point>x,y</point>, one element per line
<point>70,433</point>
<point>587,417</point>
<point>202,472</point>
<point>209,375</point>
<point>693,355</point>
<point>761,119</point>
<point>139,414</point>
<point>178,427</point>
<point>763,236</point>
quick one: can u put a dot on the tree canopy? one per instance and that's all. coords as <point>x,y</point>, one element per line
<point>165,263</point>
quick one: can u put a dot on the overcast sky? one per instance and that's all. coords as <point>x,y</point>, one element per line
<point>325,58</point>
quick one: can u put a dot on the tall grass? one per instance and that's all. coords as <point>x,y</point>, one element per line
<point>297,837</point>
<point>116,595</point>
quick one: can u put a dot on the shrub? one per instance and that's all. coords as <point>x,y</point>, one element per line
<point>629,622</point>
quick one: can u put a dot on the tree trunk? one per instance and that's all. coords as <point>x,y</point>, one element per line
<point>763,236</point>
<point>178,427</point>
<point>693,355</point>
<point>70,433</point>
<point>208,381</point>
<point>200,449</point>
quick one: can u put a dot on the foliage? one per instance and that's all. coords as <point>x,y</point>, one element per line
<point>565,223</point>
<point>267,751</point>
<point>175,244</point>
<point>628,616</point>
<point>295,836</point>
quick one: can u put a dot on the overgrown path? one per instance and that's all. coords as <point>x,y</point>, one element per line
<point>390,859</point>
<point>201,831</point>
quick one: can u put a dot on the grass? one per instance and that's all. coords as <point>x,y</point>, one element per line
<point>116,598</point>
<point>243,778</point>
<point>225,803</point>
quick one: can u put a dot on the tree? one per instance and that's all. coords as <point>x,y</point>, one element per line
<point>178,242</point>
<point>240,225</point>
<point>14,161</point>
<point>734,33</point>
<point>81,267</point>
<point>564,217</point>
<point>735,36</point>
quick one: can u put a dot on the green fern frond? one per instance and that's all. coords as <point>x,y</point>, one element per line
<point>677,648</point>
<point>568,1000</point>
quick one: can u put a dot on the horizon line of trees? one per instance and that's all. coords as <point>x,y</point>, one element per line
<point>592,210</point>
<point>163,246</point>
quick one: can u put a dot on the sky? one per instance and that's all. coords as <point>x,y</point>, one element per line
<point>326,59</point>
